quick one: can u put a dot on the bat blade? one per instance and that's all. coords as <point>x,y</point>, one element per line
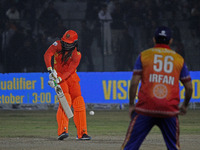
<point>66,107</point>
<point>63,102</point>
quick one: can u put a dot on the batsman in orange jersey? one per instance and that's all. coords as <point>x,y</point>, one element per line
<point>66,60</point>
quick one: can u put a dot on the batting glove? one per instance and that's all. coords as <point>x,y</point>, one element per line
<point>49,69</point>
<point>51,83</point>
<point>58,80</point>
<point>53,75</point>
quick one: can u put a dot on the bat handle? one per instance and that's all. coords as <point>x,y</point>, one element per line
<point>55,83</point>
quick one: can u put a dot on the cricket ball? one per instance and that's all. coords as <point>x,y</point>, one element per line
<point>91,112</point>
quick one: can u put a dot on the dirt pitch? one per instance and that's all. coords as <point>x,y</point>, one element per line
<point>152,142</point>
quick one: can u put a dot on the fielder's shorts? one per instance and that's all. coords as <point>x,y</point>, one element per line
<point>141,125</point>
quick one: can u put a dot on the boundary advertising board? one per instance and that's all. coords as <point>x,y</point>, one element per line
<point>96,87</point>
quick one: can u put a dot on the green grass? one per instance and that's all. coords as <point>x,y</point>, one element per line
<point>190,123</point>
<point>43,123</point>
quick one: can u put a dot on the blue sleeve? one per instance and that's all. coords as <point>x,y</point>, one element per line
<point>138,63</point>
<point>184,72</point>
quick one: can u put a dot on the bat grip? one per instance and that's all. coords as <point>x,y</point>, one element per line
<point>55,83</point>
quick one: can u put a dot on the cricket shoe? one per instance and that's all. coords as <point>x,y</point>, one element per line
<point>63,135</point>
<point>84,137</point>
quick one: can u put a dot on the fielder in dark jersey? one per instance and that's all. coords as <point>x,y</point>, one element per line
<point>160,69</point>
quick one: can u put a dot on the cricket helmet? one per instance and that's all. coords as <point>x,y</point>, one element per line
<point>70,36</point>
<point>69,40</point>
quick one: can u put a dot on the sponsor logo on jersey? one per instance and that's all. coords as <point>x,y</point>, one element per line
<point>55,43</point>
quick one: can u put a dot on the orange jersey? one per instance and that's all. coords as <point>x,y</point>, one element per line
<point>64,69</point>
<point>70,86</point>
<point>161,69</point>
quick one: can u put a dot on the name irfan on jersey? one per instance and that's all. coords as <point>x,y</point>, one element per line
<point>159,78</point>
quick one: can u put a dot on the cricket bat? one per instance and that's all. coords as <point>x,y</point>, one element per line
<point>63,101</point>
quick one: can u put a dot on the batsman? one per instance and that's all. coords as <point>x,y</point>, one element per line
<point>66,60</point>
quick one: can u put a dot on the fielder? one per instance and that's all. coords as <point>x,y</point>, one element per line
<point>66,60</point>
<point>159,69</point>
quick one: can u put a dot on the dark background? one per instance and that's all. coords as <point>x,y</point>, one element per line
<point>29,27</point>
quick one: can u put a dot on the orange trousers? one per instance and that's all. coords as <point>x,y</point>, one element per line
<point>72,91</point>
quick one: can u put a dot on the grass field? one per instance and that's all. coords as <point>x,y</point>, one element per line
<point>107,129</point>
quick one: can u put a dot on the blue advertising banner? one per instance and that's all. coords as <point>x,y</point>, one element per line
<point>96,87</point>
<point>25,88</point>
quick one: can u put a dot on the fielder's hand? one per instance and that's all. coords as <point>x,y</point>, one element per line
<point>182,110</point>
<point>131,111</point>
